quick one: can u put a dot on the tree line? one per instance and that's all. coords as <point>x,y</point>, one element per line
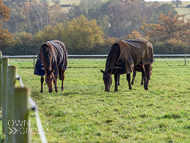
<point>92,26</point>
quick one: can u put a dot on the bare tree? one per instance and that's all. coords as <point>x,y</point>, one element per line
<point>38,11</point>
<point>44,1</point>
<point>177,2</point>
<point>56,1</point>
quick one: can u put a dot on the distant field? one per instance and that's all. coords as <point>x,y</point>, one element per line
<point>70,1</point>
<point>183,10</point>
<point>85,113</point>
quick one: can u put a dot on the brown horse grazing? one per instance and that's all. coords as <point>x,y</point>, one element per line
<point>51,62</point>
<point>111,69</point>
<point>123,57</point>
<point>139,68</point>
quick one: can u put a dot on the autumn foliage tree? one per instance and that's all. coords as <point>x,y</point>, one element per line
<point>84,34</point>
<point>169,27</point>
<point>5,36</point>
<point>79,34</point>
<point>134,35</point>
<point>170,31</point>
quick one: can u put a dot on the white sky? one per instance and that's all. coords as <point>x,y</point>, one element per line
<point>165,0</point>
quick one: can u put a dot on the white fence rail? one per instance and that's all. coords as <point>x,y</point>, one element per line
<point>81,56</point>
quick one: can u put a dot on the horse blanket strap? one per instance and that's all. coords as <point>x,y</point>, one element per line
<point>133,53</point>
<point>59,60</point>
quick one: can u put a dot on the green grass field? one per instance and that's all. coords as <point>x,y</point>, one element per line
<point>85,113</point>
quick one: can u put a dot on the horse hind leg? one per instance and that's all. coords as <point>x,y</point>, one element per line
<point>62,77</point>
<point>42,81</point>
<point>128,79</point>
<point>134,75</point>
<point>116,82</point>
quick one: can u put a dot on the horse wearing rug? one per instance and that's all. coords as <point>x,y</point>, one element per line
<point>123,57</point>
<point>51,62</point>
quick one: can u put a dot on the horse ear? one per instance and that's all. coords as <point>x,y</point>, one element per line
<point>102,71</point>
<point>44,44</point>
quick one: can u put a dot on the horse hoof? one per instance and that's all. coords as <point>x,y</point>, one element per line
<point>130,88</point>
<point>146,88</point>
<point>132,83</point>
<point>41,91</point>
<point>115,90</point>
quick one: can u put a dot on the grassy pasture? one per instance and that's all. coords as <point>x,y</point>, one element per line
<point>85,113</point>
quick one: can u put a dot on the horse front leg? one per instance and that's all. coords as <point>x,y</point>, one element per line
<point>148,72</point>
<point>55,83</point>
<point>128,79</point>
<point>42,81</point>
<point>134,75</point>
<point>116,81</point>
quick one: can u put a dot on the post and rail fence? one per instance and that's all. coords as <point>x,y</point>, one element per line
<point>96,56</point>
<point>101,56</point>
<point>16,104</point>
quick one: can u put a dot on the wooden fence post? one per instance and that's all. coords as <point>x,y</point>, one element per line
<point>20,109</point>
<point>11,80</point>
<point>4,89</point>
<point>0,81</point>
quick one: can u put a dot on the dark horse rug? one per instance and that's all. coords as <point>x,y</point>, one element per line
<point>59,60</point>
<point>133,53</point>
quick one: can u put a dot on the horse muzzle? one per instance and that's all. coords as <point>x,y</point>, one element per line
<point>50,91</point>
<point>107,89</point>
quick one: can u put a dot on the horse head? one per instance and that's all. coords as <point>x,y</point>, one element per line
<point>49,78</point>
<point>107,79</point>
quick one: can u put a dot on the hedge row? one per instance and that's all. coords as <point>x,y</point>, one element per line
<point>21,49</point>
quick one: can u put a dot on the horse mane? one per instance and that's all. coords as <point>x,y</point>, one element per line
<point>112,57</point>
